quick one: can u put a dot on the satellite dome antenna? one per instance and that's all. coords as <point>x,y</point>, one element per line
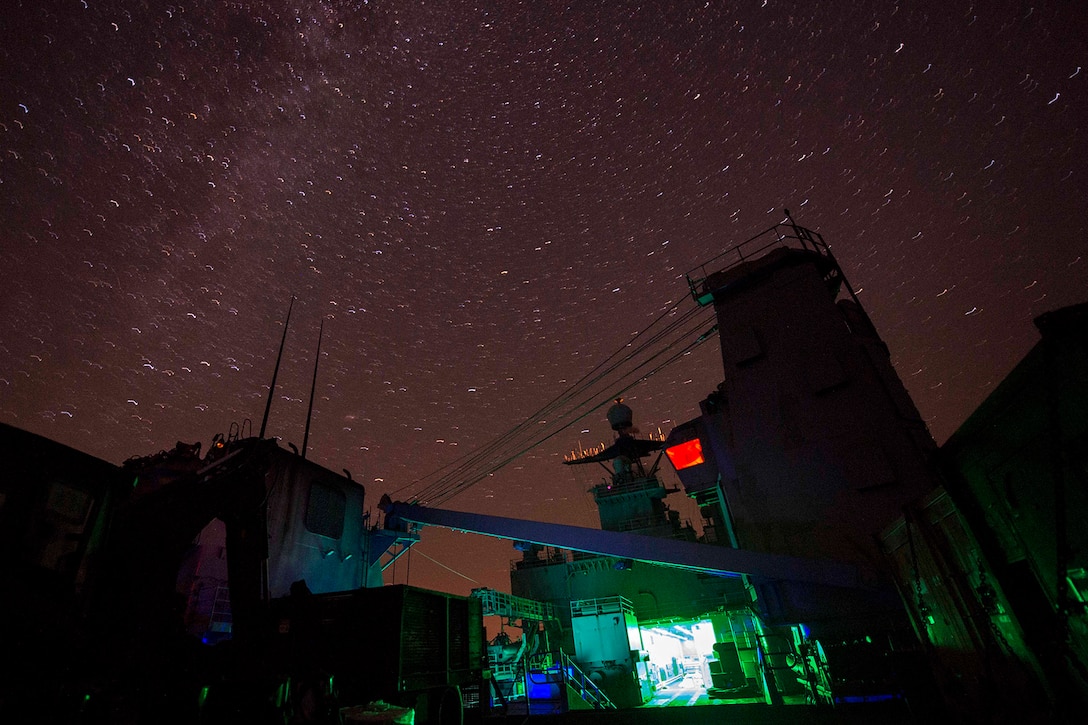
<point>620,416</point>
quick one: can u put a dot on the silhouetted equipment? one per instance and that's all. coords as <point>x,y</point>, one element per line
<point>100,570</point>
<point>843,557</point>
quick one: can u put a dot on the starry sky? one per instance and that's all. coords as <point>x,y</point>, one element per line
<point>484,202</point>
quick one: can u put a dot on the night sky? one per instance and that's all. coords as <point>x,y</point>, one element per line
<point>484,201</point>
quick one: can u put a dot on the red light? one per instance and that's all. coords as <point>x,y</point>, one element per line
<point>685,455</point>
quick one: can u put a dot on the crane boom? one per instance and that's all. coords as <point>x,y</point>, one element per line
<point>694,556</point>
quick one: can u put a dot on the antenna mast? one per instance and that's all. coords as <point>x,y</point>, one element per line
<point>313,386</point>
<point>276,372</point>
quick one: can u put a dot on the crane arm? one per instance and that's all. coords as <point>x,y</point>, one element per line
<point>690,555</point>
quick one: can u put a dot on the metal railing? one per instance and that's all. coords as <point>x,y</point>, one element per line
<point>585,687</point>
<point>784,236</point>
<point>496,603</point>
<point>626,486</point>
<point>601,605</point>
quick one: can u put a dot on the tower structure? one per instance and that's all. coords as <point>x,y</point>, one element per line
<point>811,444</point>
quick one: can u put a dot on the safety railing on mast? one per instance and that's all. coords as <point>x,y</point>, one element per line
<point>787,236</point>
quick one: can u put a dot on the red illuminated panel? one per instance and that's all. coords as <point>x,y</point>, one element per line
<point>685,455</point>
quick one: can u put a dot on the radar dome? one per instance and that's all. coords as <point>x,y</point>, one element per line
<point>620,416</point>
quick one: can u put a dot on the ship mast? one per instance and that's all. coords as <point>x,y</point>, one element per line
<point>276,371</point>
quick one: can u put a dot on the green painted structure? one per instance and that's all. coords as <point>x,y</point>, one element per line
<point>1018,471</point>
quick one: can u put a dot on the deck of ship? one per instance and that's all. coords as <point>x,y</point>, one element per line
<point>730,713</point>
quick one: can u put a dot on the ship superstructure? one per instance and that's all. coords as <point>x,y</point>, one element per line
<point>601,600</point>
<point>810,448</point>
<point>842,557</point>
<point>798,348</point>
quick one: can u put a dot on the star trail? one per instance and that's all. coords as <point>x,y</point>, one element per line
<point>484,201</point>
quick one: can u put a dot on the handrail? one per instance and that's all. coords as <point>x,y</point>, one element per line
<point>789,236</point>
<point>496,603</point>
<point>631,485</point>
<point>583,684</point>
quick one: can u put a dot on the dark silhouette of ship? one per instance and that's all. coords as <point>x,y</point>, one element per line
<point>847,567</point>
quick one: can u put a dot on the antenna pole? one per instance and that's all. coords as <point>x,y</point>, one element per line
<point>313,387</point>
<point>276,372</point>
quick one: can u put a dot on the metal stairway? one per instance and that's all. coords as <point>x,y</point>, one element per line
<point>561,687</point>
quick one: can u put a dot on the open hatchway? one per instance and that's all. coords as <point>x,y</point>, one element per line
<point>678,657</point>
<point>719,658</point>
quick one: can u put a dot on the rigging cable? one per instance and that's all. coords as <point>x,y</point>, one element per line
<point>461,486</point>
<point>487,452</point>
<point>447,568</point>
<point>500,447</point>
<point>461,462</point>
<point>448,487</point>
